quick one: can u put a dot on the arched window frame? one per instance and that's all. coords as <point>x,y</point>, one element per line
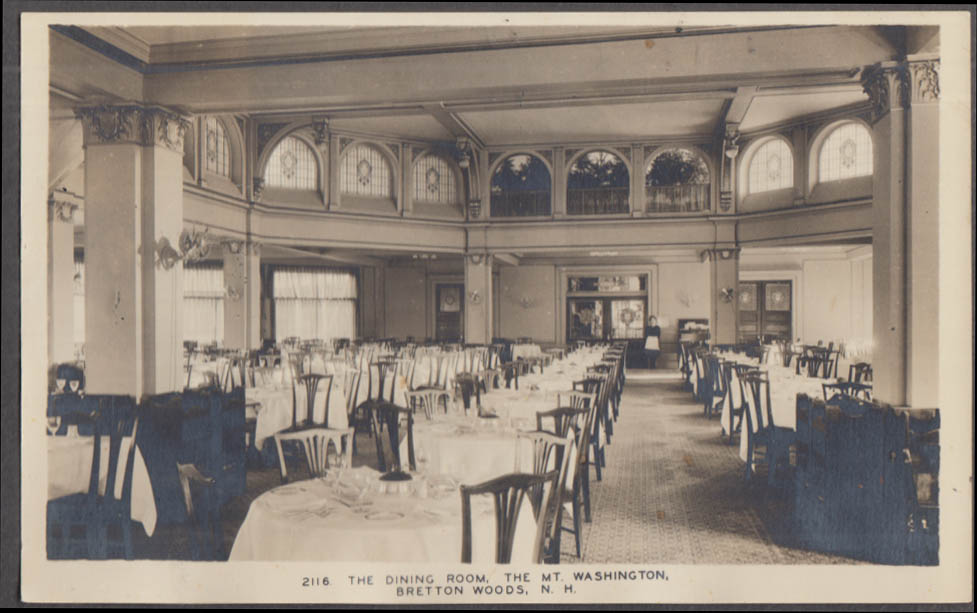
<point>459,197</point>
<point>393,166</point>
<point>817,144</point>
<point>749,155</point>
<point>505,155</point>
<point>621,155</point>
<point>317,162</point>
<point>234,182</point>
<point>700,153</point>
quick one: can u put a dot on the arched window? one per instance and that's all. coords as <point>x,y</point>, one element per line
<point>435,181</point>
<point>677,181</point>
<point>292,165</point>
<point>520,187</point>
<point>771,167</point>
<point>845,153</point>
<point>218,148</point>
<point>365,171</point>
<point>597,183</point>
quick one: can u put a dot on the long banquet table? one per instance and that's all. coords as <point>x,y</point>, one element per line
<point>352,516</point>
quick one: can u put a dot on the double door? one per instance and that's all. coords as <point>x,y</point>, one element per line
<point>605,319</point>
<point>765,311</point>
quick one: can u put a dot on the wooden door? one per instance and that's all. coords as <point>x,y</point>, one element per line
<point>765,311</point>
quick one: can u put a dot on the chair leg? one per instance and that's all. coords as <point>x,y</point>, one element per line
<point>281,460</point>
<point>576,519</point>
<point>585,482</point>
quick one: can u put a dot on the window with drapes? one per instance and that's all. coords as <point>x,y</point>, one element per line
<point>771,167</point>
<point>314,303</point>
<point>78,291</point>
<point>203,303</point>
<point>292,165</point>
<point>845,153</point>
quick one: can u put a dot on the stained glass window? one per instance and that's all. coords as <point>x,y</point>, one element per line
<point>292,165</point>
<point>520,187</point>
<point>597,183</point>
<point>771,167</point>
<point>434,181</point>
<point>845,153</point>
<point>218,148</point>
<point>366,172</point>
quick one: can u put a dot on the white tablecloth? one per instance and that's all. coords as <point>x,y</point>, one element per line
<point>471,450</point>
<point>70,470</point>
<point>347,517</point>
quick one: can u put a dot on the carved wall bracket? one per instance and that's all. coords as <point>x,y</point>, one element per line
<point>63,210</point>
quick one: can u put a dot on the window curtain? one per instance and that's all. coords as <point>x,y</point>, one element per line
<point>203,303</point>
<point>314,303</point>
<point>78,290</point>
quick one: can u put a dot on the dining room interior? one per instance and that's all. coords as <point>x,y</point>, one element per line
<point>446,294</point>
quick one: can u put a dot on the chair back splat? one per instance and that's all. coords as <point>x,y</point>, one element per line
<point>508,493</point>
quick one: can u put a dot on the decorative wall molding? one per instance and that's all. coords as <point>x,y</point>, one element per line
<point>320,130</point>
<point>265,132</point>
<point>141,125</point>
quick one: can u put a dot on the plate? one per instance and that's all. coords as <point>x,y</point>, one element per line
<point>384,515</point>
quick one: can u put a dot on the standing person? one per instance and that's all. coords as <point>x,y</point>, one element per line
<point>652,341</point>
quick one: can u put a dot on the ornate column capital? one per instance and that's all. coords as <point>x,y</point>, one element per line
<point>924,81</point>
<point>148,126</point>
<point>320,128</point>
<point>886,86</point>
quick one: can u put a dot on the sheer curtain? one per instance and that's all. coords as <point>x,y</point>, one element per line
<point>203,303</point>
<point>315,303</point>
<point>78,290</point>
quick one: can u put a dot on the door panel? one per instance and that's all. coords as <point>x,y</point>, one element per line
<point>450,311</point>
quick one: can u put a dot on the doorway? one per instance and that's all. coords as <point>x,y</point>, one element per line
<point>450,313</point>
<point>765,311</point>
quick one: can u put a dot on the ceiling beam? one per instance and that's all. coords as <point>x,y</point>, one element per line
<point>508,258</point>
<point>453,124</point>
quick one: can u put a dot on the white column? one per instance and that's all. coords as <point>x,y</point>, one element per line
<point>478,298</point>
<point>61,271</point>
<point>133,220</point>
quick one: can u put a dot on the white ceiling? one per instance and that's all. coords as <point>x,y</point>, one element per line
<point>610,122</point>
<point>423,127</point>
<point>769,110</point>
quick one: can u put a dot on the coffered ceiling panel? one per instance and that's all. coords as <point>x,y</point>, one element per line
<point>607,122</point>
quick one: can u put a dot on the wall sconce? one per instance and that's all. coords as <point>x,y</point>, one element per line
<point>193,246</point>
<point>727,294</point>
<point>474,297</point>
<point>474,209</point>
<point>526,302</point>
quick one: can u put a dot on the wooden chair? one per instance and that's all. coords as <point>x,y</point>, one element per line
<point>508,493</point>
<point>564,419</point>
<point>313,436</point>
<point>550,452</point>
<point>389,415</point>
<point>98,514</point>
<point>761,430</point>
<point>425,400</point>
<point>861,391</point>
<point>203,513</point>
<point>734,391</point>
<point>860,372</point>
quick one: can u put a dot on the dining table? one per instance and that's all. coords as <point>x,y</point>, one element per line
<point>69,459</point>
<point>351,515</point>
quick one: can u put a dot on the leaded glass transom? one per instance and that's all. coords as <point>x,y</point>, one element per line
<point>845,153</point>
<point>771,167</point>
<point>434,181</point>
<point>366,172</point>
<point>218,148</point>
<point>292,165</point>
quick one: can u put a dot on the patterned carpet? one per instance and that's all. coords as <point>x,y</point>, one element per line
<point>672,492</point>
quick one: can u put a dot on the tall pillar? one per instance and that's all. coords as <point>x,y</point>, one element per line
<point>899,186</point>
<point>242,299</point>
<point>559,182</point>
<point>61,271</point>
<point>922,233</point>
<point>133,221</point>
<point>478,298</point>
<point>724,280</point>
